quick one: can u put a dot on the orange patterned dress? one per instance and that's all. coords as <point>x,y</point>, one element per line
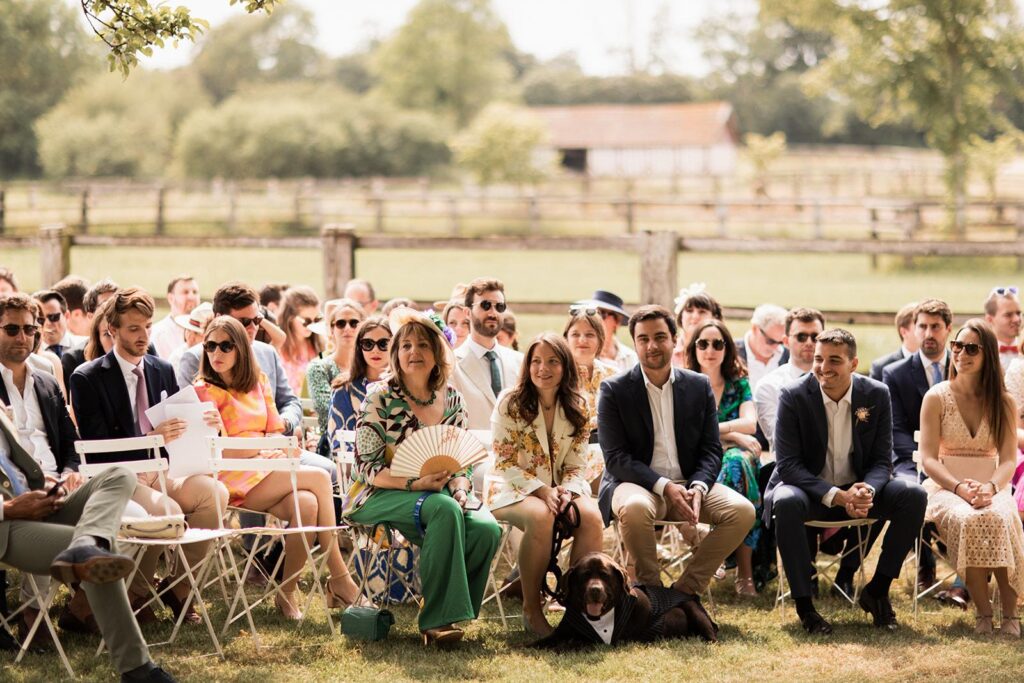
<point>250,414</point>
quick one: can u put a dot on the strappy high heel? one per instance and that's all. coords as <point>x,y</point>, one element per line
<point>745,588</point>
<point>287,604</point>
<point>983,625</point>
<point>1010,627</point>
<point>442,636</point>
<point>336,601</point>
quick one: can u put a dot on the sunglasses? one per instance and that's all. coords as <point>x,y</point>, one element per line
<point>580,310</point>
<point>224,346</point>
<point>802,337</point>
<point>368,344</point>
<point>54,317</point>
<point>309,321</point>
<point>487,305</point>
<point>257,321</point>
<point>768,340</point>
<point>970,348</point>
<point>1005,291</point>
<point>28,330</point>
<point>351,322</point>
<point>716,344</point>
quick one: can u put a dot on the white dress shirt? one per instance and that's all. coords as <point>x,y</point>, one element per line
<point>766,397</point>
<point>28,419</point>
<point>167,336</point>
<point>755,368</point>
<point>130,380</point>
<point>927,365</point>
<point>665,457</point>
<point>838,467</point>
<point>478,353</point>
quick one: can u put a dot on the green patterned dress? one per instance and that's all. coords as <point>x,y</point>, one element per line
<point>739,468</point>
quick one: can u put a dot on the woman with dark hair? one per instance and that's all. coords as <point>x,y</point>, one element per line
<point>711,351</point>
<point>694,306</point>
<point>969,452</point>
<point>540,429</point>
<point>301,308</point>
<point>368,365</point>
<point>322,374</point>
<point>230,378</point>
<point>433,511</point>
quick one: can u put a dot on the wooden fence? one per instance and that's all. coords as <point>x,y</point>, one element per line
<point>657,251</point>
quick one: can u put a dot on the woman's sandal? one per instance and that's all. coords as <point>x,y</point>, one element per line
<point>745,588</point>
<point>336,601</point>
<point>442,636</point>
<point>983,625</point>
<point>1010,627</point>
<point>287,604</point>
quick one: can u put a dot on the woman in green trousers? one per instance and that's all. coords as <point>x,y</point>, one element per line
<point>457,545</point>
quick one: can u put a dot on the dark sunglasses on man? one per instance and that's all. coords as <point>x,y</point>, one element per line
<point>716,344</point>
<point>226,346</point>
<point>970,348</point>
<point>28,330</point>
<point>487,305</point>
<point>351,322</point>
<point>768,340</point>
<point>257,321</point>
<point>54,317</point>
<point>368,344</point>
<point>802,337</point>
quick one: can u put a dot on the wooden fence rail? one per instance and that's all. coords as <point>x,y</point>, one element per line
<point>657,251</point>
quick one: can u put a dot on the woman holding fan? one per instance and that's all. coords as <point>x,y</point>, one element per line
<point>433,511</point>
<point>540,430</point>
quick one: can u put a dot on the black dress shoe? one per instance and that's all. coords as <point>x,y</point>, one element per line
<point>7,641</point>
<point>69,621</point>
<point>815,624</point>
<point>844,586</point>
<point>925,578</point>
<point>154,675</point>
<point>90,563</point>
<point>176,604</point>
<point>880,610</point>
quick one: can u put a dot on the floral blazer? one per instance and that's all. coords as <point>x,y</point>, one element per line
<point>386,419</point>
<point>528,457</point>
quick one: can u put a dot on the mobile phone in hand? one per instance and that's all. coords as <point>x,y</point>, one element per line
<point>56,488</point>
<point>473,504</point>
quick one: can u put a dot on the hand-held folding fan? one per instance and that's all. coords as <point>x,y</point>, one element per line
<point>439,448</point>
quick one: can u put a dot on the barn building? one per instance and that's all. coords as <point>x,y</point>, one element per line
<point>634,140</point>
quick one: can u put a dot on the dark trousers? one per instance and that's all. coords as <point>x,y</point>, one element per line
<point>900,502</point>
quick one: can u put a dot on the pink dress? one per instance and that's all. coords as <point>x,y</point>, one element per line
<point>250,414</point>
<point>295,369</point>
<point>989,537</point>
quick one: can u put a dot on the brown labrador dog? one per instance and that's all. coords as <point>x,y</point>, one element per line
<point>602,608</point>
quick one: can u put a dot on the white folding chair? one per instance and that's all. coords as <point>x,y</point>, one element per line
<point>934,543</point>
<point>314,561</point>
<point>196,576</point>
<point>505,553</point>
<point>860,548</point>
<point>42,600</point>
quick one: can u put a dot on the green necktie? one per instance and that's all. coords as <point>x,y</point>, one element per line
<point>492,358</point>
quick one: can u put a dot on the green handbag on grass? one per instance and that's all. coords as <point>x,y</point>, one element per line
<point>366,623</point>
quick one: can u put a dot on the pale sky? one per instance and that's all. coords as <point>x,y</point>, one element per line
<point>599,32</point>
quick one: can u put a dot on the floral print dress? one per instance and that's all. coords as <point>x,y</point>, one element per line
<point>590,388</point>
<point>385,421</point>
<point>740,469</point>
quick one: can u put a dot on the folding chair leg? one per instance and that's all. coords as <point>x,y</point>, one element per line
<point>44,618</point>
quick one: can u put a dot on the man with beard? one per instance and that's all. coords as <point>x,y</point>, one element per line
<point>483,367</point>
<point>658,428</point>
<point>1002,312</point>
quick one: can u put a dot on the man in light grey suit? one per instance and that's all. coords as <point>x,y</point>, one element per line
<point>483,367</point>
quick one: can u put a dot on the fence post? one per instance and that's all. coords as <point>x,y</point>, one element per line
<point>722,213</point>
<point>1020,234</point>
<point>161,224</point>
<point>297,206</point>
<point>54,252</point>
<point>83,219</point>
<point>533,211</point>
<point>378,203</point>
<point>453,214</point>
<point>873,222</point>
<point>3,210</point>
<point>817,220</point>
<point>232,209</point>
<point>659,280</point>
<point>630,216</point>
<point>339,254</point>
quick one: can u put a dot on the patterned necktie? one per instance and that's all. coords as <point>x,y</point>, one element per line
<point>141,402</point>
<point>492,358</point>
<point>936,373</point>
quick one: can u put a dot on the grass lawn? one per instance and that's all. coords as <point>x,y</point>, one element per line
<point>757,645</point>
<point>832,282</point>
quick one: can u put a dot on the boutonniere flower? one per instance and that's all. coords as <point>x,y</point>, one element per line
<point>862,414</point>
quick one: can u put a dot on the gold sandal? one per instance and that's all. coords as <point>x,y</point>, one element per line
<point>1010,627</point>
<point>983,625</point>
<point>286,605</point>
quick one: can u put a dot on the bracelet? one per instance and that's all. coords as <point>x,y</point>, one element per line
<point>958,485</point>
<point>409,482</point>
<point>995,489</point>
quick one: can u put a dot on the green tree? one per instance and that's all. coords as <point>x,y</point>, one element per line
<point>499,146</point>
<point>109,127</point>
<point>762,152</point>
<point>987,157</point>
<point>935,63</point>
<point>43,50</point>
<point>251,49</point>
<point>450,58</point>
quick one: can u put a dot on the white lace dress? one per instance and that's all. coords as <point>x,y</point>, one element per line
<point>989,537</point>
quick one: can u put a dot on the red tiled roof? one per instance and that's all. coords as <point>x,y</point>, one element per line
<point>696,124</point>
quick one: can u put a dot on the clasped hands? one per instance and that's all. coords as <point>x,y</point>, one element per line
<point>978,494</point>
<point>555,497</point>
<point>437,481</point>
<point>685,502</point>
<point>856,500</point>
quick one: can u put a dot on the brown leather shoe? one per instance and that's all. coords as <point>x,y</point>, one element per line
<point>71,622</point>
<point>143,614</point>
<point>41,641</point>
<point>176,604</point>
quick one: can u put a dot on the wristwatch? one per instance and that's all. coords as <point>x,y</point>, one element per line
<point>409,482</point>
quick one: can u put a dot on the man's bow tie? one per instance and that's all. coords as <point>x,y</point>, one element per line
<point>1008,348</point>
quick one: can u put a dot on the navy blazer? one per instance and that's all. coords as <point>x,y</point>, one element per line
<point>60,430</point>
<point>801,438</point>
<point>102,406</point>
<point>885,361</point>
<point>907,386</point>
<point>625,429</point>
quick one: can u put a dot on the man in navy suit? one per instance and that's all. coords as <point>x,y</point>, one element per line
<point>658,429</point>
<point>908,341</point>
<point>833,452</point>
<point>111,395</point>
